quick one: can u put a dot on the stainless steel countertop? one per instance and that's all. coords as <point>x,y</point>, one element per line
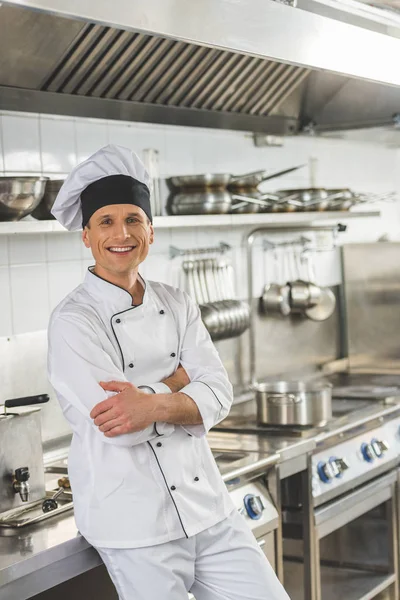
<point>286,448</point>
<point>27,557</point>
<point>38,557</point>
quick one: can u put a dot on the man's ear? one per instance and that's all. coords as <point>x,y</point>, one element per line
<point>151,239</point>
<point>85,237</point>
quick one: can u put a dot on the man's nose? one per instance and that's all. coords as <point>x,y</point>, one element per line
<point>121,231</point>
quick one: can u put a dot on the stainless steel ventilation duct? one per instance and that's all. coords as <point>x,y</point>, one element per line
<point>176,62</point>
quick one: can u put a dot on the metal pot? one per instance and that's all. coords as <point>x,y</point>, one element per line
<point>306,199</point>
<point>275,299</point>
<point>341,199</point>
<point>303,294</point>
<point>199,203</point>
<point>294,403</point>
<point>19,196</point>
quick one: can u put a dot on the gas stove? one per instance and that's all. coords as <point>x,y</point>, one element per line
<point>344,410</point>
<point>360,442</point>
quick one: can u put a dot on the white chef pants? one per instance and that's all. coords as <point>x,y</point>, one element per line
<point>223,562</point>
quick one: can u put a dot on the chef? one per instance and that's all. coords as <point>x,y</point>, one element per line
<point>141,383</point>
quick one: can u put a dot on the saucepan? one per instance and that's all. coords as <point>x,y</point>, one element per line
<point>209,202</point>
<point>223,180</point>
<point>303,294</point>
<point>275,296</point>
<point>288,403</point>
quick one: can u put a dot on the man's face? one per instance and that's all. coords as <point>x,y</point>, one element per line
<point>119,236</point>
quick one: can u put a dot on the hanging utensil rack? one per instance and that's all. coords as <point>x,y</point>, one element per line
<point>250,240</point>
<point>193,252</point>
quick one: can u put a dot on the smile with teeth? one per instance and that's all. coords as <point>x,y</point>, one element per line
<point>121,249</point>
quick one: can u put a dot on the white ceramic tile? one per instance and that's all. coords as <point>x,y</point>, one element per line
<point>1,145</point>
<point>209,238</point>
<point>327,266</point>
<point>179,156</point>
<point>139,137</point>
<point>26,249</point>
<point>159,268</point>
<point>5,303</point>
<point>30,298</point>
<point>21,144</point>
<point>90,137</point>
<point>162,241</point>
<point>4,250</point>
<point>184,238</point>
<point>86,253</point>
<point>85,264</point>
<point>63,246</point>
<point>58,145</point>
<point>63,278</point>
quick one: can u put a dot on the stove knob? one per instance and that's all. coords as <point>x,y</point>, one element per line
<point>379,447</point>
<point>367,452</point>
<point>339,466</point>
<point>325,471</point>
<point>254,506</point>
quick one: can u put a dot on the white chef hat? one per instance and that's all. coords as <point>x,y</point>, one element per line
<point>112,175</point>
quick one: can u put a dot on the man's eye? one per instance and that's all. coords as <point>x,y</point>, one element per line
<point>106,222</point>
<point>132,220</point>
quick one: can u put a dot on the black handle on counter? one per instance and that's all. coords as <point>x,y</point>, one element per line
<point>27,401</point>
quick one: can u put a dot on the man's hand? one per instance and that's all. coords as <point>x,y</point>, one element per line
<point>128,411</point>
<point>178,380</point>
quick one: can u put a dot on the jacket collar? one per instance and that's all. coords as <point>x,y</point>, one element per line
<point>117,298</point>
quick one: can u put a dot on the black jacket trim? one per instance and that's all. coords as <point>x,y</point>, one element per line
<point>121,312</point>
<point>114,284</point>
<point>222,406</point>
<point>169,491</point>
<point>155,429</point>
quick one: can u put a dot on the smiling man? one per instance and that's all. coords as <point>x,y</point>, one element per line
<point>141,383</point>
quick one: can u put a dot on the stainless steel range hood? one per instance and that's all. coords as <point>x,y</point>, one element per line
<point>253,65</point>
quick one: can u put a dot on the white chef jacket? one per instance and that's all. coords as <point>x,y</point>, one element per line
<point>155,485</point>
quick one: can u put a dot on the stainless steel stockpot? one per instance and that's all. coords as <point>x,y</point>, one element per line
<point>294,403</point>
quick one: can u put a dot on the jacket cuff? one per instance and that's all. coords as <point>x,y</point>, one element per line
<point>161,428</point>
<point>155,388</point>
<point>208,404</point>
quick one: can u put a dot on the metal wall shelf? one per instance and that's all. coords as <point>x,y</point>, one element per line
<point>278,220</point>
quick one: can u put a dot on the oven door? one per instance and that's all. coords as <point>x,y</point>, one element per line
<point>267,544</point>
<point>354,550</point>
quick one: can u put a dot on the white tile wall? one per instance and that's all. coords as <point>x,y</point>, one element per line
<point>3,251</point>
<point>63,277</point>
<point>30,297</point>
<point>37,271</point>
<point>5,295</point>
<point>26,249</point>
<point>53,264</point>
<point>21,143</point>
<point>90,136</point>
<point>58,144</point>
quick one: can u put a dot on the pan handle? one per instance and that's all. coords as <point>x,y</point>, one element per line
<point>281,173</point>
<point>27,401</point>
<point>281,399</point>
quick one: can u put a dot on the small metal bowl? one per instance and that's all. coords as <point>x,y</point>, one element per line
<point>19,196</point>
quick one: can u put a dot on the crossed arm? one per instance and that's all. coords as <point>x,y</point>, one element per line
<point>132,410</point>
<point>201,394</point>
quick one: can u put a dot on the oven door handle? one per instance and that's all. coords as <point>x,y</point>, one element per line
<point>335,514</point>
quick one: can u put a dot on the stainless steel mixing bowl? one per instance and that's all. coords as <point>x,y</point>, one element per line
<point>19,196</point>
